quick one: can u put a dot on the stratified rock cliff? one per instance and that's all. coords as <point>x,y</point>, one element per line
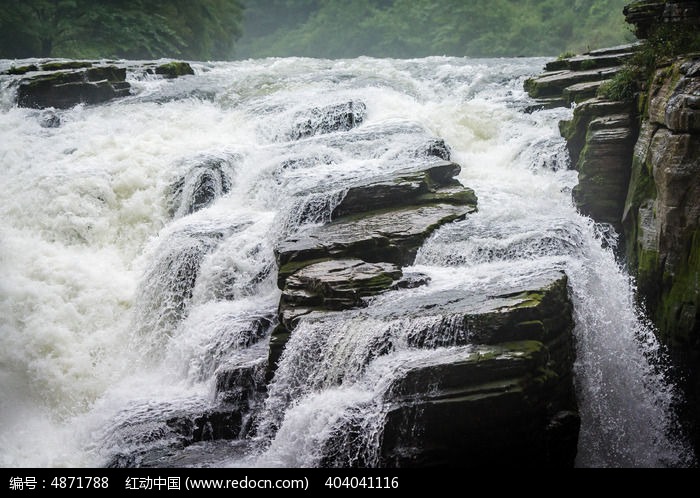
<point>638,160</point>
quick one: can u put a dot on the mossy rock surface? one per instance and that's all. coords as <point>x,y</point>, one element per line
<point>174,69</point>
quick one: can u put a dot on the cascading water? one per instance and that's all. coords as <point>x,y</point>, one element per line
<point>136,247</point>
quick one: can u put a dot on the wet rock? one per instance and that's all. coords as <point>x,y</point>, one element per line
<point>174,69</point>
<point>62,65</point>
<point>502,394</point>
<point>382,220</point>
<point>207,180</point>
<point>479,406</point>
<point>64,89</point>
<point>334,285</point>
<point>604,167</point>
<point>414,187</point>
<point>576,130</point>
<point>156,442</point>
<point>167,286</point>
<point>49,119</point>
<point>19,70</point>
<point>391,236</point>
<point>436,148</point>
<point>662,211</point>
<point>552,84</point>
<point>321,120</point>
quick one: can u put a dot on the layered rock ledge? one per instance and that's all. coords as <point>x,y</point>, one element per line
<point>64,84</point>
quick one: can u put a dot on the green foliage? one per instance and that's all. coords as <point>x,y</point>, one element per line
<point>565,55</point>
<point>622,86</point>
<point>413,28</point>
<point>193,29</point>
<point>665,42</point>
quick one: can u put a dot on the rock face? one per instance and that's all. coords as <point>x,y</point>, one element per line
<point>646,14</point>
<point>604,161</point>
<point>486,405</point>
<point>662,210</point>
<point>645,180</point>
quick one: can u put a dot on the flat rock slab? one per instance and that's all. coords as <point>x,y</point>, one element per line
<point>392,236</point>
<point>66,88</point>
<point>425,184</point>
<point>334,285</point>
<point>553,83</point>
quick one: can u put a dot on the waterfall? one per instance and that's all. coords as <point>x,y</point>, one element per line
<point>139,290</point>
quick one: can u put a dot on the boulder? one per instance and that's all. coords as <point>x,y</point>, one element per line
<point>154,441</point>
<point>174,69</point>
<point>322,120</point>
<point>480,407</point>
<point>206,180</point>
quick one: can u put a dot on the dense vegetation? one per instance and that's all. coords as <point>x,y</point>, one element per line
<point>209,29</point>
<point>138,29</point>
<point>414,28</point>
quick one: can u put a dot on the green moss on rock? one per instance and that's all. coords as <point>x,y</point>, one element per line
<point>63,65</point>
<point>174,69</point>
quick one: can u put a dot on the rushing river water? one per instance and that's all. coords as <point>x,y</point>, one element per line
<point>120,302</point>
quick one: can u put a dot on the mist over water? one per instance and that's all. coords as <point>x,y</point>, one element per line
<point>122,297</point>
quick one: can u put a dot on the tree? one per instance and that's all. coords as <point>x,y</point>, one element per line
<point>194,29</point>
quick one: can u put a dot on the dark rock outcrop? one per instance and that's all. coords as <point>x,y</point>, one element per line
<point>174,69</point>
<point>65,83</point>
<point>64,89</point>
<point>604,165</point>
<point>662,209</point>
<point>334,285</point>
<point>388,235</point>
<point>321,120</point>
<point>646,15</point>
<point>501,395</point>
<point>204,182</point>
<point>554,83</point>
<point>441,409</point>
